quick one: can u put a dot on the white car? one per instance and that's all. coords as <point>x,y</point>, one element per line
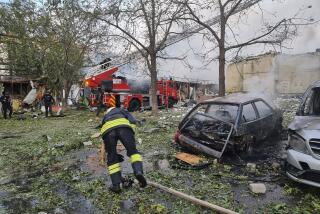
<point>303,152</point>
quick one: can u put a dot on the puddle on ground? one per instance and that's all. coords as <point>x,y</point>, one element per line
<point>87,160</point>
<point>75,201</point>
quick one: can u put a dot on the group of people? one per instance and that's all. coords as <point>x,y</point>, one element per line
<point>7,108</point>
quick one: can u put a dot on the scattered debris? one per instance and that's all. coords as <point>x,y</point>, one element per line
<point>252,167</point>
<point>162,164</point>
<point>90,120</point>
<point>48,138</point>
<point>21,117</point>
<point>59,145</point>
<point>75,177</point>
<point>87,143</point>
<point>152,130</point>
<point>276,165</point>
<point>95,135</point>
<point>258,188</point>
<point>8,135</point>
<point>189,158</point>
<point>127,205</point>
<point>5,181</point>
<point>139,140</point>
<point>59,210</point>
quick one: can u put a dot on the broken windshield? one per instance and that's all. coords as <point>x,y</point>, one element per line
<point>224,112</point>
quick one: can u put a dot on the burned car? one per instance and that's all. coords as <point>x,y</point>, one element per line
<point>233,122</point>
<point>303,151</point>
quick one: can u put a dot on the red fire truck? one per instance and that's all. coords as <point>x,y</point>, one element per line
<point>127,95</point>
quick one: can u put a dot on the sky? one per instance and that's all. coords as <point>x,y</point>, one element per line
<point>307,39</point>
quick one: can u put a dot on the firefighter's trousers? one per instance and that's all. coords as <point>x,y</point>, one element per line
<point>6,109</point>
<point>126,136</point>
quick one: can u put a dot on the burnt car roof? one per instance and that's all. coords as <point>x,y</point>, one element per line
<point>237,98</point>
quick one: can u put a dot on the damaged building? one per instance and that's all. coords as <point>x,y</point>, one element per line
<point>17,86</point>
<point>274,73</point>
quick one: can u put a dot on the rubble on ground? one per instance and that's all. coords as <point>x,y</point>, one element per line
<point>87,143</point>
<point>84,180</point>
<point>258,188</point>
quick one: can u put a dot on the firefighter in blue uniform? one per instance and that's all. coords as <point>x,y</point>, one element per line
<point>48,101</point>
<point>6,105</point>
<point>119,124</point>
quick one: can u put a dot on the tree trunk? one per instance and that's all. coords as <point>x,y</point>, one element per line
<point>222,62</point>
<point>153,74</point>
<point>66,88</point>
<point>222,54</point>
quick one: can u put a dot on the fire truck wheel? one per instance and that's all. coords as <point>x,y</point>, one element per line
<point>134,105</point>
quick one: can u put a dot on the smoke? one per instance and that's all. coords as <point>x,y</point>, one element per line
<point>139,85</point>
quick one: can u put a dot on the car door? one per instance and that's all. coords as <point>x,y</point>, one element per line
<point>266,119</point>
<point>248,121</point>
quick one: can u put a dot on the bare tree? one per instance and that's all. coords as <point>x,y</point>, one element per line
<point>270,33</point>
<point>145,25</point>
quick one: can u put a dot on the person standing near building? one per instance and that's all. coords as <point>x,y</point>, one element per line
<point>100,104</point>
<point>118,124</point>
<point>6,105</point>
<point>48,101</point>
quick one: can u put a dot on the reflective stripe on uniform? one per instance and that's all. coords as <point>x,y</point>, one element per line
<point>136,158</point>
<point>114,168</point>
<point>117,122</point>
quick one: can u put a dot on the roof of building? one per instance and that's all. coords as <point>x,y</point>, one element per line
<point>16,79</point>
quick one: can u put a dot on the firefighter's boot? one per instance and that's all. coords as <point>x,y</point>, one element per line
<point>136,161</point>
<point>115,175</point>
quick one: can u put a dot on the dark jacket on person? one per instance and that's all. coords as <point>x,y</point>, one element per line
<point>47,99</point>
<point>115,118</point>
<point>6,101</point>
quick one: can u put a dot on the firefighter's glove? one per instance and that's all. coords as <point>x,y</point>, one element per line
<point>141,122</point>
<point>138,123</point>
<point>99,126</point>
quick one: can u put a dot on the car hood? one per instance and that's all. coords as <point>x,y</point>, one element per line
<point>306,126</point>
